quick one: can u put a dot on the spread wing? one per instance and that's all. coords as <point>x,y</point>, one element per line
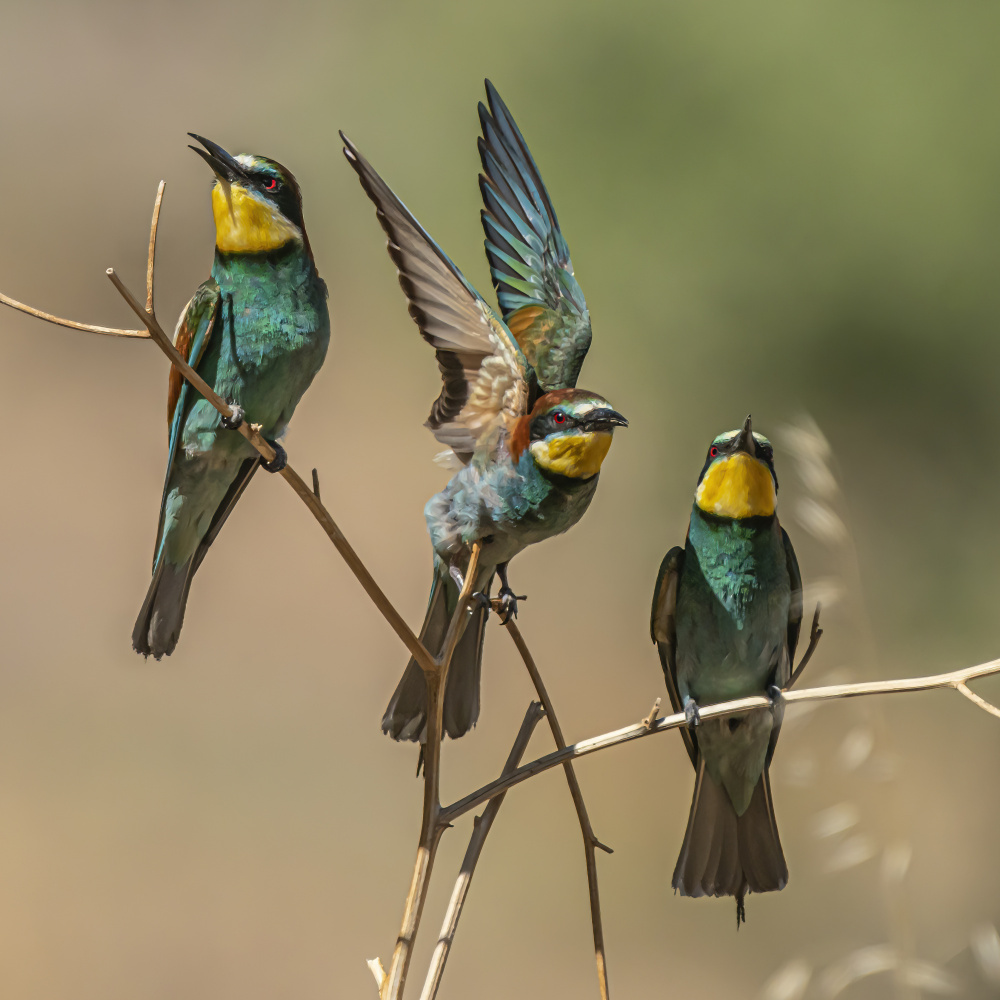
<point>795,607</point>
<point>539,297</point>
<point>663,629</point>
<point>194,330</point>
<point>487,381</point>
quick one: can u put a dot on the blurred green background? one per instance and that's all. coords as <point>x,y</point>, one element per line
<point>780,207</point>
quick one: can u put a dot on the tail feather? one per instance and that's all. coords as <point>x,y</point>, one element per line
<point>158,626</point>
<point>724,854</point>
<point>159,623</point>
<point>761,856</point>
<point>405,716</point>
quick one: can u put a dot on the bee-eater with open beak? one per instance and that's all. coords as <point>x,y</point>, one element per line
<point>531,453</point>
<point>727,609</point>
<point>257,331</point>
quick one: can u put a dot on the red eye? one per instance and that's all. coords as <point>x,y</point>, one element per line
<point>271,184</point>
<point>713,452</point>
<point>559,418</point>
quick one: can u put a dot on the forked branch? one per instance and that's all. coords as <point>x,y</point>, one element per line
<point>956,679</point>
<point>481,829</point>
<point>252,433</point>
<point>590,841</point>
<point>107,331</point>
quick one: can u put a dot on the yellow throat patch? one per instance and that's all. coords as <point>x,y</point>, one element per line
<point>738,486</point>
<point>245,224</point>
<point>576,455</point>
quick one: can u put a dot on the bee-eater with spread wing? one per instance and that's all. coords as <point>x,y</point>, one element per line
<point>727,609</point>
<point>257,331</point>
<point>531,458</point>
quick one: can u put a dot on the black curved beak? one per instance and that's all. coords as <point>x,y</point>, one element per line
<point>225,166</point>
<point>604,419</point>
<point>745,441</point>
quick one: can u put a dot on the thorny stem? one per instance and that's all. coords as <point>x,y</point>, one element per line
<point>431,827</point>
<point>481,829</point>
<point>590,841</point>
<point>956,679</point>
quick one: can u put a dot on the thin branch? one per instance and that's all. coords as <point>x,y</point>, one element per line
<point>252,433</point>
<point>815,634</point>
<point>481,829</point>
<point>986,706</point>
<point>105,330</point>
<point>590,841</point>
<point>431,827</point>
<point>955,679</point>
<point>72,324</point>
<point>151,257</point>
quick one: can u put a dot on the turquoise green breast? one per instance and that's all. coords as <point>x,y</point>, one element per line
<point>271,334</point>
<point>732,607</point>
<point>532,497</point>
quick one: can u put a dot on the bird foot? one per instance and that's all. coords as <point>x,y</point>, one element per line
<point>691,714</point>
<point>235,420</point>
<point>508,604</point>
<point>775,694</point>
<point>481,599</point>
<point>279,461</point>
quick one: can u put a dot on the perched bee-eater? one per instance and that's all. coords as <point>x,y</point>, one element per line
<point>257,331</point>
<point>726,615</point>
<point>531,457</point>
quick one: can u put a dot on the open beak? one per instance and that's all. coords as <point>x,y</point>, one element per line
<point>745,442</point>
<point>604,419</point>
<point>225,166</point>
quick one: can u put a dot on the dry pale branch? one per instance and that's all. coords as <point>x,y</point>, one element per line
<point>252,433</point>
<point>956,679</point>
<point>815,634</point>
<point>431,827</point>
<point>590,841</point>
<point>481,829</point>
<point>105,330</point>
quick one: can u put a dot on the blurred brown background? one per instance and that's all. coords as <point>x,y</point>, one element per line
<point>782,208</point>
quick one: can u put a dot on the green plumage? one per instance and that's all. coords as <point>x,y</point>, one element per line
<point>726,615</point>
<point>257,332</point>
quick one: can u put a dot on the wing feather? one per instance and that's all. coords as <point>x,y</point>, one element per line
<point>529,259</point>
<point>194,330</point>
<point>663,630</point>
<point>487,382</point>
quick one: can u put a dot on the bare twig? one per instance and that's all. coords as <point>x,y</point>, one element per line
<point>252,433</point>
<point>480,831</point>
<point>986,706</point>
<point>108,331</point>
<point>956,679</point>
<point>72,324</point>
<point>654,714</point>
<point>590,841</point>
<point>151,257</point>
<point>815,634</point>
<point>431,827</point>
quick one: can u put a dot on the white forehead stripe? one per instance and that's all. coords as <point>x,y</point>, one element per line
<point>729,435</point>
<point>246,161</point>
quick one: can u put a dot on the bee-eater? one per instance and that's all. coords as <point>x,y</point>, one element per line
<point>726,615</point>
<point>257,331</point>
<point>531,458</point>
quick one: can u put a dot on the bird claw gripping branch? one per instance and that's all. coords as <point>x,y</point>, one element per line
<point>235,420</point>
<point>508,604</point>
<point>279,461</point>
<point>691,713</point>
